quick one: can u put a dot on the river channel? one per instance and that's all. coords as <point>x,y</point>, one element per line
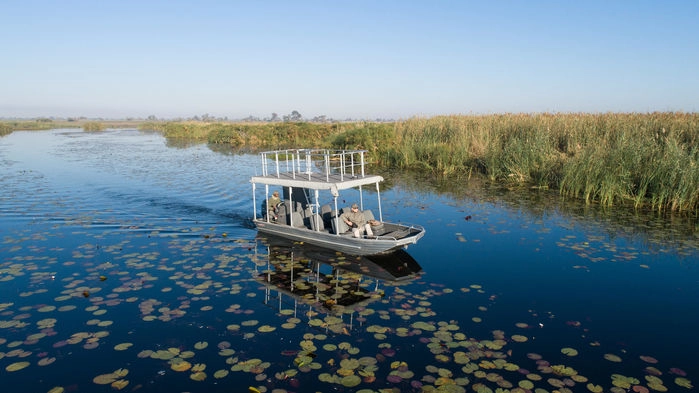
<point>128,262</point>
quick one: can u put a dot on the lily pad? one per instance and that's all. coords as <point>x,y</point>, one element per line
<point>612,358</point>
<point>201,345</point>
<point>350,381</point>
<point>17,366</point>
<point>569,351</point>
<point>122,346</point>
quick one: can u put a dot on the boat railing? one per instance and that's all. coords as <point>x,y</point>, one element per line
<point>303,163</point>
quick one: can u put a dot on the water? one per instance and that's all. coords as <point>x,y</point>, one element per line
<point>127,258</point>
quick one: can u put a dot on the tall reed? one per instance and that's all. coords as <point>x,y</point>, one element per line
<point>93,126</point>
<point>445,145</point>
<point>279,135</point>
<point>7,126</point>
<point>647,159</point>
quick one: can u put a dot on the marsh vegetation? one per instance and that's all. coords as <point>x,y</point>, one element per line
<point>647,160</point>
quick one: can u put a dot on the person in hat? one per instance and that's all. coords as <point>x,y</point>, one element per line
<point>273,206</point>
<point>355,219</point>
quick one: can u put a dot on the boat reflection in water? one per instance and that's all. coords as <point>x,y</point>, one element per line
<point>304,281</point>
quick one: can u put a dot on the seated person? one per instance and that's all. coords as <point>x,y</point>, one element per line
<point>355,220</point>
<point>273,206</point>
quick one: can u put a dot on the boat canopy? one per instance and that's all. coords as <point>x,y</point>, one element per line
<point>315,169</point>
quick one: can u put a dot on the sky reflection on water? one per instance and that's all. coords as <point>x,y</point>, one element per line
<point>148,243</point>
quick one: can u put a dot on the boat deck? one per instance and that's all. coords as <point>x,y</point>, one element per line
<point>386,231</point>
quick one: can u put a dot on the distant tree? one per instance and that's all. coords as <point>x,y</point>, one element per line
<point>251,119</point>
<point>320,119</point>
<point>294,116</point>
<point>275,117</point>
<point>151,118</point>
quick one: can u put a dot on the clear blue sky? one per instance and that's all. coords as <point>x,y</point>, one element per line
<point>359,59</point>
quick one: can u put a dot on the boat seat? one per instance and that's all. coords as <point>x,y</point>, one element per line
<point>288,205</point>
<point>296,220</point>
<point>307,212</point>
<point>317,223</point>
<point>343,226</point>
<point>325,209</point>
<point>368,215</point>
<point>283,213</point>
<point>330,216</point>
<point>327,216</point>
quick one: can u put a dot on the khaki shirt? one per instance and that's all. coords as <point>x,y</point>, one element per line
<point>272,203</point>
<point>355,217</point>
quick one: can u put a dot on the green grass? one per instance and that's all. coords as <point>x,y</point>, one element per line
<point>93,126</point>
<point>42,124</point>
<point>643,159</point>
<point>648,160</point>
<point>278,135</point>
<point>8,126</point>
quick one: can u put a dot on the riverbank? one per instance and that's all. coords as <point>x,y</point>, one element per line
<point>43,124</point>
<point>644,159</point>
<point>648,160</point>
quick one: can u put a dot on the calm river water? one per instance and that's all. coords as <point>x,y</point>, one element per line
<point>129,263</point>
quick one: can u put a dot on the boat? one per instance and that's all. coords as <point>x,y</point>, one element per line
<point>326,281</point>
<point>312,181</point>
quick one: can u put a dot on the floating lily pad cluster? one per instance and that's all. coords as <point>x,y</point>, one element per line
<point>275,323</point>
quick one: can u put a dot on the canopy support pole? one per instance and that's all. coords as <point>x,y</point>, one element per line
<point>378,197</point>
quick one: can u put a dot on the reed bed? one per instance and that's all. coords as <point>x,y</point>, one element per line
<point>364,135</point>
<point>645,159</point>
<point>5,129</point>
<point>94,126</point>
<point>8,126</point>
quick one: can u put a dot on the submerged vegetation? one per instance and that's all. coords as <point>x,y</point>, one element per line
<point>649,159</point>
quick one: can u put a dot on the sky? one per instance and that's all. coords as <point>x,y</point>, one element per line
<point>361,59</point>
